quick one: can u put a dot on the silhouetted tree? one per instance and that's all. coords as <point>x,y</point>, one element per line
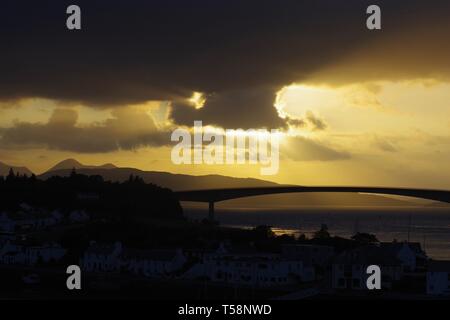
<point>127,200</point>
<point>322,233</point>
<point>11,176</point>
<point>263,232</point>
<point>302,237</point>
<point>365,238</point>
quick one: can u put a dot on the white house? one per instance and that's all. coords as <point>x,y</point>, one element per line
<point>254,271</point>
<point>25,254</point>
<point>315,255</point>
<point>34,219</point>
<point>44,253</point>
<point>29,218</point>
<point>9,253</point>
<point>348,270</point>
<point>410,254</point>
<point>102,258</point>
<point>116,258</point>
<point>250,268</point>
<point>438,278</point>
<point>78,216</point>
<point>25,206</point>
<point>7,224</point>
<point>57,216</point>
<point>13,258</point>
<point>9,246</point>
<point>152,263</point>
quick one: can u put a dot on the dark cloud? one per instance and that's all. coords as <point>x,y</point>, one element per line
<point>134,51</point>
<point>128,129</point>
<point>316,122</point>
<point>310,121</point>
<point>304,149</point>
<point>294,122</point>
<point>251,108</point>
<point>384,144</point>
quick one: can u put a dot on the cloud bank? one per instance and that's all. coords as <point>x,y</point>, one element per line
<point>239,53</point>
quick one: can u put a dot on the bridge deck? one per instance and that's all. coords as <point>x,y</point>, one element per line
<point>215,195</point>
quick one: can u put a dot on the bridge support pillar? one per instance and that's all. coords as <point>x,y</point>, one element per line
<point>211,211</point>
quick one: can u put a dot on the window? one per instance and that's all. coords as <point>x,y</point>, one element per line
<point>341,282</point>
<point>356,283</point>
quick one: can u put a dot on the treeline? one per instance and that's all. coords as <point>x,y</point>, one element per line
<point>121,200</point>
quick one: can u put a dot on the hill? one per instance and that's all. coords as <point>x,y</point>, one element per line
<point>4,169</point>
<point>123,201</point>
<point>72,163</point>
<point>189,182</point>
<point>165,179</point>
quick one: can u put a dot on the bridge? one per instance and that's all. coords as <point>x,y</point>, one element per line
<point>212,196</point>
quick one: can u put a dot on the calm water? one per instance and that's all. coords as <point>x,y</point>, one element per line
<point>429,226</point>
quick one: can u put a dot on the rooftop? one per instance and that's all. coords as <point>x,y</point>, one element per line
<point>155,255</point>
<point>367,255</point>
<point>439,266</point>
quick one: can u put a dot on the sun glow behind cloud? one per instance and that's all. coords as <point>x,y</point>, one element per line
<point>197,100</point>
<point>380,106</point>
<point>389,132</point>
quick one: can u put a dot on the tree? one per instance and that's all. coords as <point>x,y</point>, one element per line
<point>322,233</point>
<point>302,237</point>
<point>264,232</point>
<point>138,179</point>
<point>365,238</point>
<point>11,176</point>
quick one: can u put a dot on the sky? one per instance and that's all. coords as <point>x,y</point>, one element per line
<point>354,106</point>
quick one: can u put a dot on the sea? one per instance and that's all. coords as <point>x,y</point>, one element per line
<point>429,226</point>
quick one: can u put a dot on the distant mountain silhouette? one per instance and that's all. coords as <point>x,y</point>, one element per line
<point>190,182</point>
<point>164,179</point>
<point>4,169</point>
<point>72,163</point>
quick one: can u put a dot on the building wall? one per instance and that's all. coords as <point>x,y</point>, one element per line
<point>355,276</point>
<point>438,283</point>
<point>255,272</point>
<point>407,257</point>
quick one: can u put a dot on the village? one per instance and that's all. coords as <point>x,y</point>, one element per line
<point>293,270</point>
